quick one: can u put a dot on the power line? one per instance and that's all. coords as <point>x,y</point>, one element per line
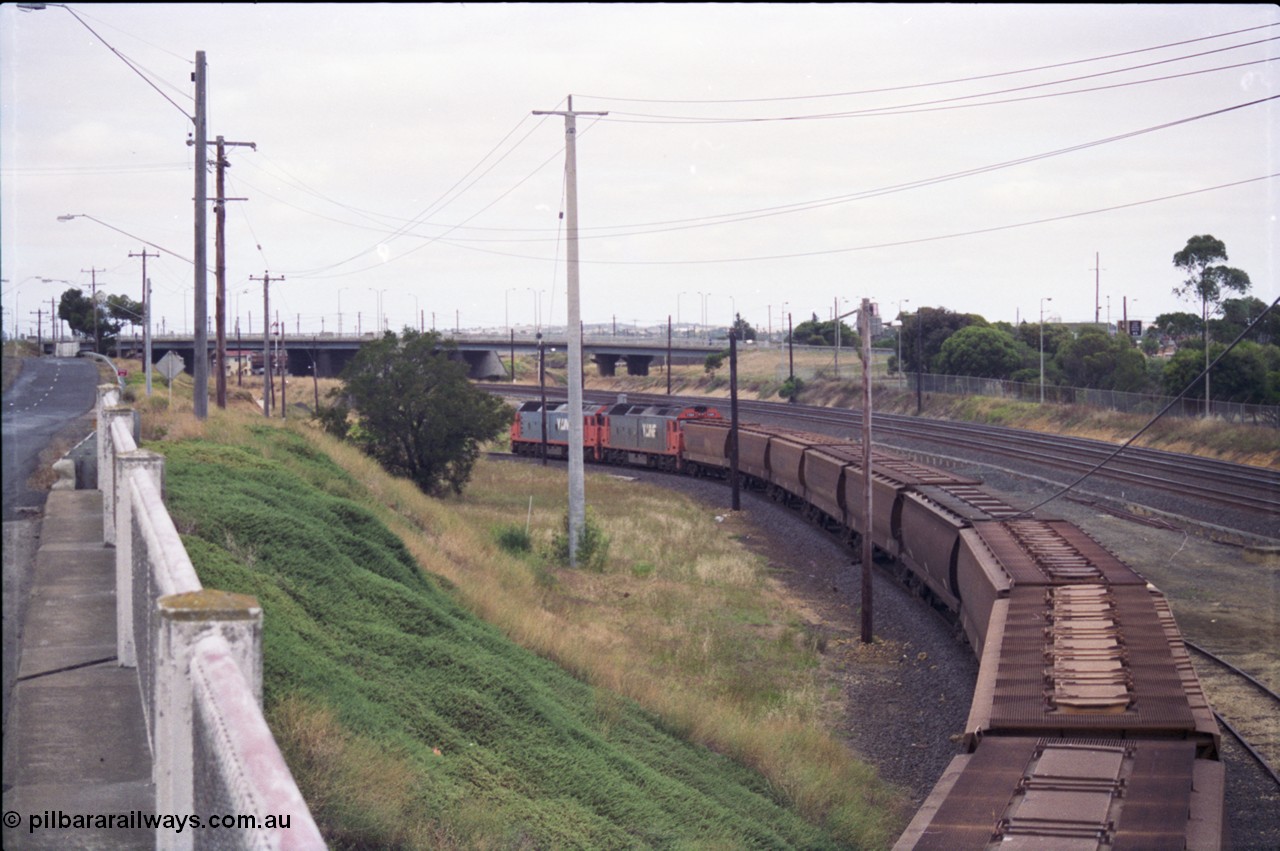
<point>897,243</point>
<point>804,206</point>
<point>952,81</point>
<point>933,105</point>
<point>132,67</point>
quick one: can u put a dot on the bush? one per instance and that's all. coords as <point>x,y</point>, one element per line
<point>593,545</point>
<point>791,388</point>
<point>514,540</point>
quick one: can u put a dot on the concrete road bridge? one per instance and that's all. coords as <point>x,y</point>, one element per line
<point>487,355</point>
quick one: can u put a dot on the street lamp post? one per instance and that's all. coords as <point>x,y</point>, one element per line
<point>901,327</point>
<point>537,309</point>
<point>1042,301</point>
<point>378,293</point>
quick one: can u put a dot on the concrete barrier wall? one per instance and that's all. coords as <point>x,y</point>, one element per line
<point>198,653</point>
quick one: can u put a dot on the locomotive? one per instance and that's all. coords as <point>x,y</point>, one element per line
<point>1088,729</point>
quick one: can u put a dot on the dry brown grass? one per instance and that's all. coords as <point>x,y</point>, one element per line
<point>677,620</point>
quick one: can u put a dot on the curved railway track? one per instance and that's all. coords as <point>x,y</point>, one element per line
<point>1222,496</point>
<point>1246,707</point>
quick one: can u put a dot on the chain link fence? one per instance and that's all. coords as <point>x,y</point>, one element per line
<point>1137,403</point>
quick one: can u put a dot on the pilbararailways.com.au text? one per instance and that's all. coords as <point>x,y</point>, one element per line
<point>137,819</point>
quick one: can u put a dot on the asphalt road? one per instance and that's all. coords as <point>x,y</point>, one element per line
<point>49,398</point>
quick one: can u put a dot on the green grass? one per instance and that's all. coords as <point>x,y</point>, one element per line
<point>409,722</point>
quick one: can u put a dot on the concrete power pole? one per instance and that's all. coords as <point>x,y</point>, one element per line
<point>146,316</point>
<point>200,309</point>
<point>220,267</point>
<point>577,473</point>
<point>864,329</point>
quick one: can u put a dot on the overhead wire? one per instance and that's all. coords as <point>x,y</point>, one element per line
<point>896,243</point>
<point>440,202</point>
<point>803,206</point>
<point>937,104</point>
<point>934,83</point>
<point>130,63</point>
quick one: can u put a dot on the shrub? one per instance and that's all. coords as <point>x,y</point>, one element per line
<point>593,545</point>
<point>515,540</point>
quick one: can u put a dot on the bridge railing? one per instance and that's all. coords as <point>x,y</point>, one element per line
<point>198,653</point>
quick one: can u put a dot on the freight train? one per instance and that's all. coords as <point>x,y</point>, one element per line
<point>1088,728</point>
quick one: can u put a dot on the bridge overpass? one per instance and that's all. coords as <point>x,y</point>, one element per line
<point>327,354</point>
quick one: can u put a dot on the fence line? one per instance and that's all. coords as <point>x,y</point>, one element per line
<point>1138,403</point>
<point>198,653</point>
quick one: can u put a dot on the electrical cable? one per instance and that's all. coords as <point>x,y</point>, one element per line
<point>129,63</point>
<point>897,243</point>
<point>923,106</point>
<point>938,82</point>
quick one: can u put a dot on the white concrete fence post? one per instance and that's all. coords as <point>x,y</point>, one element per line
<point>184,620</point>
<point>108,397</point>
<point>108,483</point>
<point>142,462</point>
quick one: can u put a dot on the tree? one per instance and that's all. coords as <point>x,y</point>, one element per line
<point>743,329</point>
<point>1207,280</point>
<point>812,332</point>
<point>926,330</point>
<point>1180,326</point>
<point>87,319</point>
<point>1248,373</point>
<point>417,413</point>
<point>979,350</point>
<point>1238,314</point>
<point>1096,359</point>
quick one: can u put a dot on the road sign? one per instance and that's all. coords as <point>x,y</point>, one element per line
<point>171,365</point>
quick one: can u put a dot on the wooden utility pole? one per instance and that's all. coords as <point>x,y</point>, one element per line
<point>268,389</point>
<point>146,316</point>
<point>39,313</point>
<point>284,370</point>
<point>220,266</point>
<point>93,301</point>
<point>577,472</point>
<point>200,309</point>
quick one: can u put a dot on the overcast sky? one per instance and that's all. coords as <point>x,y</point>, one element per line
<point>974,157</point>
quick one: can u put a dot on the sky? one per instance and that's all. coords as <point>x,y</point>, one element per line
<point>755,158</point>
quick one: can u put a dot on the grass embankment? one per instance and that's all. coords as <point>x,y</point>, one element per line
<point>672,700</point>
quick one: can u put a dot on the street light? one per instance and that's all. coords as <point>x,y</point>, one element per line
<point>901,327</point>
<point>1042,301</point>
<point>379,294</point>
<point>537,309</point>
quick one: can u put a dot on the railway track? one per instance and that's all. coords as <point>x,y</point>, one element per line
<point>1224,497</point>
<point>1246,707</point>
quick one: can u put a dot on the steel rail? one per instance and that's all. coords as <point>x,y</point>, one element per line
<point>1256,683</point>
